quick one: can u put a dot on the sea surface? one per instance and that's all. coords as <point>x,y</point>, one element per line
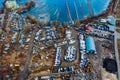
<point>57,9</point>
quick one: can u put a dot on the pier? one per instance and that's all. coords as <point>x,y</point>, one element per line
<point>76,10</point>
<point>56,11</point>
<point>58,14</point>
<point>91,12</point>
<point>69,14</point>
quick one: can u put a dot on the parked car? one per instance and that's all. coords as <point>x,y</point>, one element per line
<point>72,41</point>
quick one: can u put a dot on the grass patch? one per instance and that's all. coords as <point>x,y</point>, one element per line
<point>118,42</point>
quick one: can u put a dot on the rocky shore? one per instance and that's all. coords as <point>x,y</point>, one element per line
<point>111,10</point>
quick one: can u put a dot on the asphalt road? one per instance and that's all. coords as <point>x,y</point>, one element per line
<point>23,75</point>
<point>116,53</point>
<point>118,35</point>
<point>99,53</point>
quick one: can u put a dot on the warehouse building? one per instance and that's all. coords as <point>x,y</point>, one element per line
<point>90,45</point>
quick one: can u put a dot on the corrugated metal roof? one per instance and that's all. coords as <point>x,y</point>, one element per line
<point>111,27</point>
<point>111,20</point>
<point>90,45</point>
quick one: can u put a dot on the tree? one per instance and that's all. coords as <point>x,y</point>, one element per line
<point>77,23</point>
<point>40,23</point>
<point>31,18</point>
<point>27,28</point>
<point>65,24</point>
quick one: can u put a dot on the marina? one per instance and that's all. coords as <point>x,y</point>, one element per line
<point>58,40</point>
<point>69,13</point>
<point>50,7</point>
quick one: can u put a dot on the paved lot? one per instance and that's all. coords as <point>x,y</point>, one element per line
<point>65,63</point>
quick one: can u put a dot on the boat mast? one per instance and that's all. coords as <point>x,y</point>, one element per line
<point>91,12</point>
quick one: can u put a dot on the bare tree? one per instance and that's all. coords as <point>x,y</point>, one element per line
<point>77,23</point>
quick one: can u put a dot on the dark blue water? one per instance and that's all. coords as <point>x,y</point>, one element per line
<point>57,8</point>
<point>1,3</point>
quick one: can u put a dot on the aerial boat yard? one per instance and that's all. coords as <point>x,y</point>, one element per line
<point>58,46</point>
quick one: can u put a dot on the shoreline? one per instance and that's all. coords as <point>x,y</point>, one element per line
<point>110,10</point>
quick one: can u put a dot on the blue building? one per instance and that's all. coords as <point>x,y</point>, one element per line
<point>90,45</point>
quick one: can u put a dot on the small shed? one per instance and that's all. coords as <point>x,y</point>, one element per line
<point>111,28</point>
<point>90,45</point>
<point>103,20</point>
<point>68,33</point>
<point>111,20</point>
